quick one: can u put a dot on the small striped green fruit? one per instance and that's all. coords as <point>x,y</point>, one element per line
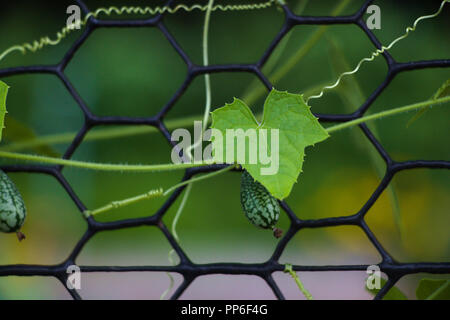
<point>12,207</point>
<point>260,207</point>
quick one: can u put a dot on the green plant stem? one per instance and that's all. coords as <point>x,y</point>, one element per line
<point>288,269</point>
<point>353,96</point>
<point>153,193</point>
<point>170,167</point>
<point>101,166</point>
<point>172,253</point>
<point>100,134</point>
<point>438,291</point>
<point>64,32</point>
<point>443,91</point>
<point>386,113</point>
<point>173,229</point>
<point>126,202</point>
<point>106,133</point>
<point>377,52</point>
<point>196,143</point>
<point>205,63</point>
<point>206,176</point>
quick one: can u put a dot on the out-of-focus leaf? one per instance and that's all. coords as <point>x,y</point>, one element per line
<point>393,294</point>
<point>443,91</point>
<point>18,132</point>
<point>3,93</point>
<point>352,96</point>
<point>433,289</point>
<point>249,96</point>
<point>294,59</point>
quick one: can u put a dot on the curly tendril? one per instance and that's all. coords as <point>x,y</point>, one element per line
<point>378,52</point>
<point>47,41</point>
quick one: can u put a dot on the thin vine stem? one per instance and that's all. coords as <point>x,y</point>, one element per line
<point>205,63</point>
<point>154,193</point>
<point>180,166</point>
<point>172,252</point>
<point>206,176</point>
<point>189,183</point>
<point>126,202</point>
<point>64,32</point>
<point>95,135</point>
<point>387,113</point>
<point>196,143</point>
<point>436,293</point>
<point>102,166</point>
<point>288,269</point>
<point>379,51</point>
<point>173,229</point>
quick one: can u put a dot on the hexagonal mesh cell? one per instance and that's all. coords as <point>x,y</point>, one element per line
<point>267,266</point>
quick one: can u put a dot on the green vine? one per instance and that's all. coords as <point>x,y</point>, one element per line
<point>181,166</point>
<point>101,166</point>
<point>154,193</point>
<point>196,143</point>
<point>288,269</point>
<point>47,41</point>
<point>380,51</point>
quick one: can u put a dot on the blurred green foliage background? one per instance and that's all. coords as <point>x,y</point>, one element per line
<point>134,72</point>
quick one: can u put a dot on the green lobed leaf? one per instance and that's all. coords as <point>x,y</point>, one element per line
<point>433,289</point>
<point>393,294</point>
<point>3,93</point>
<point>298,129</point>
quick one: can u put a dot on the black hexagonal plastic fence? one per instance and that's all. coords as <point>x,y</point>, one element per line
<point>189,270</point>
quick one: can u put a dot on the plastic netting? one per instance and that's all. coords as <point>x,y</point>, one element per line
<point>189,270</point>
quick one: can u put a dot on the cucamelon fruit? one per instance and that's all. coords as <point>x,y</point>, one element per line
<point>12,207</point>
<point>260,207</point>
